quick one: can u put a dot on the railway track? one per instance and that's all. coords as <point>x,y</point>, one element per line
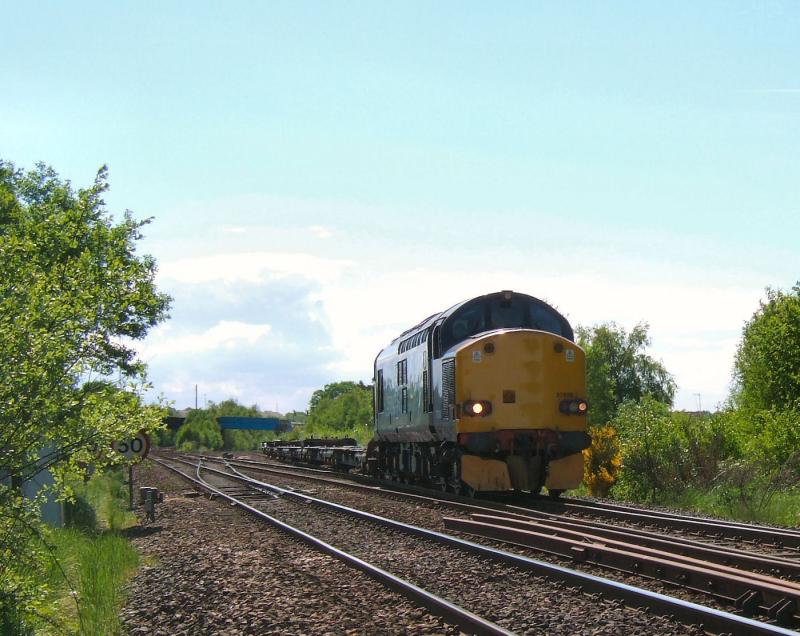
<point>447,610</point>
<point>648,529</point>
<point>711,619</point>
<point>778,537</point>
<point>702,527</point>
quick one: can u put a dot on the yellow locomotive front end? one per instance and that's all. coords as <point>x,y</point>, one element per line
<point>520,411</point>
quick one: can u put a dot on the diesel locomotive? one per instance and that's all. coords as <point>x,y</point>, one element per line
<point>488,395</point>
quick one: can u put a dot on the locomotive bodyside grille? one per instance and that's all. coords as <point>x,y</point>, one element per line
<point>448,387</point>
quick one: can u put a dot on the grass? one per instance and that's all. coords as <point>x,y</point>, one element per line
<point>783,508</point>
<point>92,561</point>
<point>88,583</point>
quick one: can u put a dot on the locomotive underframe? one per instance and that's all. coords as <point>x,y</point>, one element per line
<point>516,458</point>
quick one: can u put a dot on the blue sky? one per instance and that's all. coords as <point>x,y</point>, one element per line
<point>323,175</point>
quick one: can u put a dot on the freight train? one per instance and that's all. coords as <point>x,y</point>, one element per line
<point>488,395</point>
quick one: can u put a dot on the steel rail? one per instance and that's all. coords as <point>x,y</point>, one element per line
<point>748,592</point>
<point>588,536</point>
<point>686,547</point>
<point>710,618</point>
<point>584,503</point>
<point>724,529</point>
<point>680,545</point>
<point>780,536</point>
<point>439,606</point>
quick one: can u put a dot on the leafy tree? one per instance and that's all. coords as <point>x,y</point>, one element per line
<point>618,370</point>
<point>763,460</point>
<point>73,295</point>
<point>341,408</point>
<point>200,432</point>
<point>648,447</point>
<point>767,366</point>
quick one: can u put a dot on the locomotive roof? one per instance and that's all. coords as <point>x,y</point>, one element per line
<point>427,322</point>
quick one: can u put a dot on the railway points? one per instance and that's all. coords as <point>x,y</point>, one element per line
<point>680,610</point>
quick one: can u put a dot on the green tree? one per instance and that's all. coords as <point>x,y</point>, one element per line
<point>73,296</point>
<point>341,408</point>
<point>767,365</point>
<point>649,445</point>
<point>618,370</point>
<point>199,432</point>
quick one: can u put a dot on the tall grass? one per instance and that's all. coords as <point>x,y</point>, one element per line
<point>107,494</point>
<point>92,562</point>
<point>96,566</point>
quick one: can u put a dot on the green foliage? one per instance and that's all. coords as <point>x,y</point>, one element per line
<point>163,437</point>
<point>648,444</point>
<point>200,432</point>
<point>234,439</point>
<point>602,461</point>
<point>764,461</point>
<point>618,370</point>
<point>341,409</point>
<point>88,583</point>
<point>73,294</point>
<point>767,367</point>
<point>298,417</point>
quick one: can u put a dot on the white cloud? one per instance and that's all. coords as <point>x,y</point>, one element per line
<point>223,335</point>
<point>320,231</point>
<point>352,307</point>
<point>694,329</point>
<point>252,267</point>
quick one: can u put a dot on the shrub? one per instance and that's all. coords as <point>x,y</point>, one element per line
<point>602,461</point>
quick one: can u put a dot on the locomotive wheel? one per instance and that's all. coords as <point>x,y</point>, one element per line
<point>467,491</point>
<point>554,494</point>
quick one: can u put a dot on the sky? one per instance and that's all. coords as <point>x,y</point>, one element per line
<point>321,176</point>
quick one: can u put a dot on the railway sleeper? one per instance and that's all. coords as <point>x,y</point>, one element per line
<point>749,595</point>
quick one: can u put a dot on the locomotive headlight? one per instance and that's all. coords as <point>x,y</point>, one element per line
<point>573,407</point>
<point>480,408</point>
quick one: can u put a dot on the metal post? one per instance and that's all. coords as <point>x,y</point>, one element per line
<point>130,487</point>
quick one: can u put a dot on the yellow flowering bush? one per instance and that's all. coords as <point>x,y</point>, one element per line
<point>602,460</point>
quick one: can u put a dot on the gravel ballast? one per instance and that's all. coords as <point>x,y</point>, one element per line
<point>210,569</point>
<point>268,588</point>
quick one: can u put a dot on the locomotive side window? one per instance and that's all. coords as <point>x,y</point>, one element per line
<point>379,392</point>
<point>402,372</point>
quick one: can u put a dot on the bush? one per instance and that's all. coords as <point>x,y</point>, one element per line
<point>602,461</point>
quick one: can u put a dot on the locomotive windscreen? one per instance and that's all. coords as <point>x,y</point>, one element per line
<point>498,312</point>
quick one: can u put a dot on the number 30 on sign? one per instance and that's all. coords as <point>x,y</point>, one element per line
<point>134,447</point>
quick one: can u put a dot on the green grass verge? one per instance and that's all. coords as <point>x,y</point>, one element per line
<point>92,562</point>
<point>88,581</point>
<point>783,508</point>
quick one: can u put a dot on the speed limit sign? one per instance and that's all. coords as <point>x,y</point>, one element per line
<point>134,447</point>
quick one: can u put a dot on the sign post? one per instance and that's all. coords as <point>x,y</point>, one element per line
<point>136,447</point>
